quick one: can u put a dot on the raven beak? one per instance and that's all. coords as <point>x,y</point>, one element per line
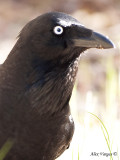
<point>96,40</point>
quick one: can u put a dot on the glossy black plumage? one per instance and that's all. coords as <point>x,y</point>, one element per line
<point>36,83</point>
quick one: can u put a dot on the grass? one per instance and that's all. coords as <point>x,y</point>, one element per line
<point>6,148</point>
<point>106,136</point>
<point>105,133</point>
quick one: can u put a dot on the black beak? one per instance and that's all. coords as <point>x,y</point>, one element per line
<point>96,40</point>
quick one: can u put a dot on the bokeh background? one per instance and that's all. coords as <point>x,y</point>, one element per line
<point>97,89</point>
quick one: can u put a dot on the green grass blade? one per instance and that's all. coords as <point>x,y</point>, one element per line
<point>72,154</point>
<point>108,143</point>
<point>106,138</point>
<point>6,148</point>
<point>102,125</point>
<point>78,154</point>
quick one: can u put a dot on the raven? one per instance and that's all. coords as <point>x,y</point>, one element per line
<point>36,82</point>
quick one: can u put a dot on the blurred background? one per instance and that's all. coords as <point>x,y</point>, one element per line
<point>97,89</point>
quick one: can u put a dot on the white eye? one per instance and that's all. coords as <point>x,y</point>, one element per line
<point>58,30</point>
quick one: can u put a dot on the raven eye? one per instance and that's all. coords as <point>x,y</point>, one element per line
<point>58,30</point>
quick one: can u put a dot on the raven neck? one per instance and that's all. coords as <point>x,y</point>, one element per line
<point>52,85</point>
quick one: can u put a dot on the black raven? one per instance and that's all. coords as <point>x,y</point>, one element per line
<point>36,83</point>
